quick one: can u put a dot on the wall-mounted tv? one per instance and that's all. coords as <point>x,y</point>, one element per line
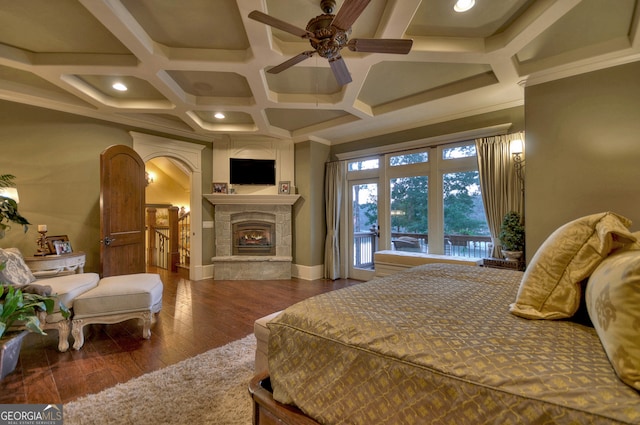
<point>252,171</point>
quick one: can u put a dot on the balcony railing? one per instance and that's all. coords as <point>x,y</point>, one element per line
<point>365,244</point>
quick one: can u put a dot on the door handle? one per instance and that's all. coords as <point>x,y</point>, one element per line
<point>107,240</point>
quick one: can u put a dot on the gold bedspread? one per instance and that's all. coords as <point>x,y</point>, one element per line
<point>436,344</point>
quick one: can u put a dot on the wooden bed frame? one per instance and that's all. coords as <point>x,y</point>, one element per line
<point>267,411</point>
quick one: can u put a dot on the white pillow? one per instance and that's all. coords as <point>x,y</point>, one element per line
<point>15,271</point>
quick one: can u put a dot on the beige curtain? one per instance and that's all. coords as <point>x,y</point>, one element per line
<point>333,184</point>
<point>502,189</point>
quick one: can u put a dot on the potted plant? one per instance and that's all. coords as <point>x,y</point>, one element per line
<point>18,308</point>
<point>9,207</point>
<point>512,236</point>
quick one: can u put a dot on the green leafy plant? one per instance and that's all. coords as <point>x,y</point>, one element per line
<point>512,232</point>
<point>9,208</point>
<point>21,308</point>
<point>17,307</point>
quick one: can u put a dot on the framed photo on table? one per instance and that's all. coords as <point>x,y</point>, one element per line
<point>59,245</point>
<point>62,247</point>
<point>219,188</point>
<point>284,188</point>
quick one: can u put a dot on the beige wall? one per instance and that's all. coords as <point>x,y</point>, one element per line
<point>308,213</point>
<point>582,149</point>
<point>56,160</point>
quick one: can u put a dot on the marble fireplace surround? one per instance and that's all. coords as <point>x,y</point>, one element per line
<point>230,209</point>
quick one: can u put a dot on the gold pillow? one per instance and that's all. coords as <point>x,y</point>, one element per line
<point>550,286</point>
<point>613,303</point>
<point>636,244</point>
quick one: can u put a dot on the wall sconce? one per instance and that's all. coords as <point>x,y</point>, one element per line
<point>149,177</point>
<point>517,147</point>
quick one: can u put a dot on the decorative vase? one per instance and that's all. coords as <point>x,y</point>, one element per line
<point>10,346</point>
<point>512,255</point>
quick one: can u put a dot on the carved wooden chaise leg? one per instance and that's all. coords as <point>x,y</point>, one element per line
<point>64,329</point>
<point>146,318</point>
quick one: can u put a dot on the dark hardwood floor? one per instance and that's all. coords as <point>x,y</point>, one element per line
<point>196,316</point>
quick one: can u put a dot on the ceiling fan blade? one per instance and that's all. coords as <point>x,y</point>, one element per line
<point>348,13</point>
<point>289,63</point>
<point>339,68</point>
<point>256,15</point>
<point>380,45</point>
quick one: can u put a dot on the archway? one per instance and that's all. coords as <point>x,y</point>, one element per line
<point>189,155</point>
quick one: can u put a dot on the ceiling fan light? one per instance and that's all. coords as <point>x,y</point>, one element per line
<point>464,5</point>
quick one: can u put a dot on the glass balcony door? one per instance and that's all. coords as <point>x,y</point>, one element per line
<point>364,229</point>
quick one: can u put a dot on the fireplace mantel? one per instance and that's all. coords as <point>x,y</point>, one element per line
<point>235,199</point>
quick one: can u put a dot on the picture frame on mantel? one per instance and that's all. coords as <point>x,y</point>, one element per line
<point>219,187</point>
<point>284,187</point>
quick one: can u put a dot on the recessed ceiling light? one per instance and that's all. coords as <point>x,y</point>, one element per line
<point>219,115</point>
<point>464,5</point>
<point>119,86</point>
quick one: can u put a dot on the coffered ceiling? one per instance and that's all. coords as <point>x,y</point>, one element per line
<point>183,61</point>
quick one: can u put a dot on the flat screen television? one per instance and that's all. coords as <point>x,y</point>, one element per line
<point>252,171</point>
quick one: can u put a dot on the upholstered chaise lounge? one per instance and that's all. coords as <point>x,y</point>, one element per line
<point>67,289</point>
<point>116,299</point>
<point>89,298</point>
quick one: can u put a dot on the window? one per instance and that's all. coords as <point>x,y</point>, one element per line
<point>409,158</point>
<point>430,201</point>
<point>408,213</point>
<point>437,206</point>
<point>466,231</point>
<point>463,151</point>
<point>366,164</point>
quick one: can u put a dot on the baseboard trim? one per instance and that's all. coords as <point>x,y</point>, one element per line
<point>203,272</point>
<point>307,272</point>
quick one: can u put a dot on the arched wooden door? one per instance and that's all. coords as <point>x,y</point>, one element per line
<point>122,225</point>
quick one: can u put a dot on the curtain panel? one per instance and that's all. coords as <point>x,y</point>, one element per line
<point>333,193</point>
<point>502,189</point>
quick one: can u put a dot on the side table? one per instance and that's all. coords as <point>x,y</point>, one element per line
<point>499,263</point>
<point>47,266</point>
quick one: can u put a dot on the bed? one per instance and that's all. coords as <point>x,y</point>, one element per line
<point>446,344</point>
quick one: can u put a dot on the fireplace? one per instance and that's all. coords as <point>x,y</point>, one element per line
<point>253,238</point>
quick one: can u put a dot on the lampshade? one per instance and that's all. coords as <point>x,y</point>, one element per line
<point>516,146</point>
<point>10,192</point>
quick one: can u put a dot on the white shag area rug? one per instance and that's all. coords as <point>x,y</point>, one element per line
<point>211,388</point>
